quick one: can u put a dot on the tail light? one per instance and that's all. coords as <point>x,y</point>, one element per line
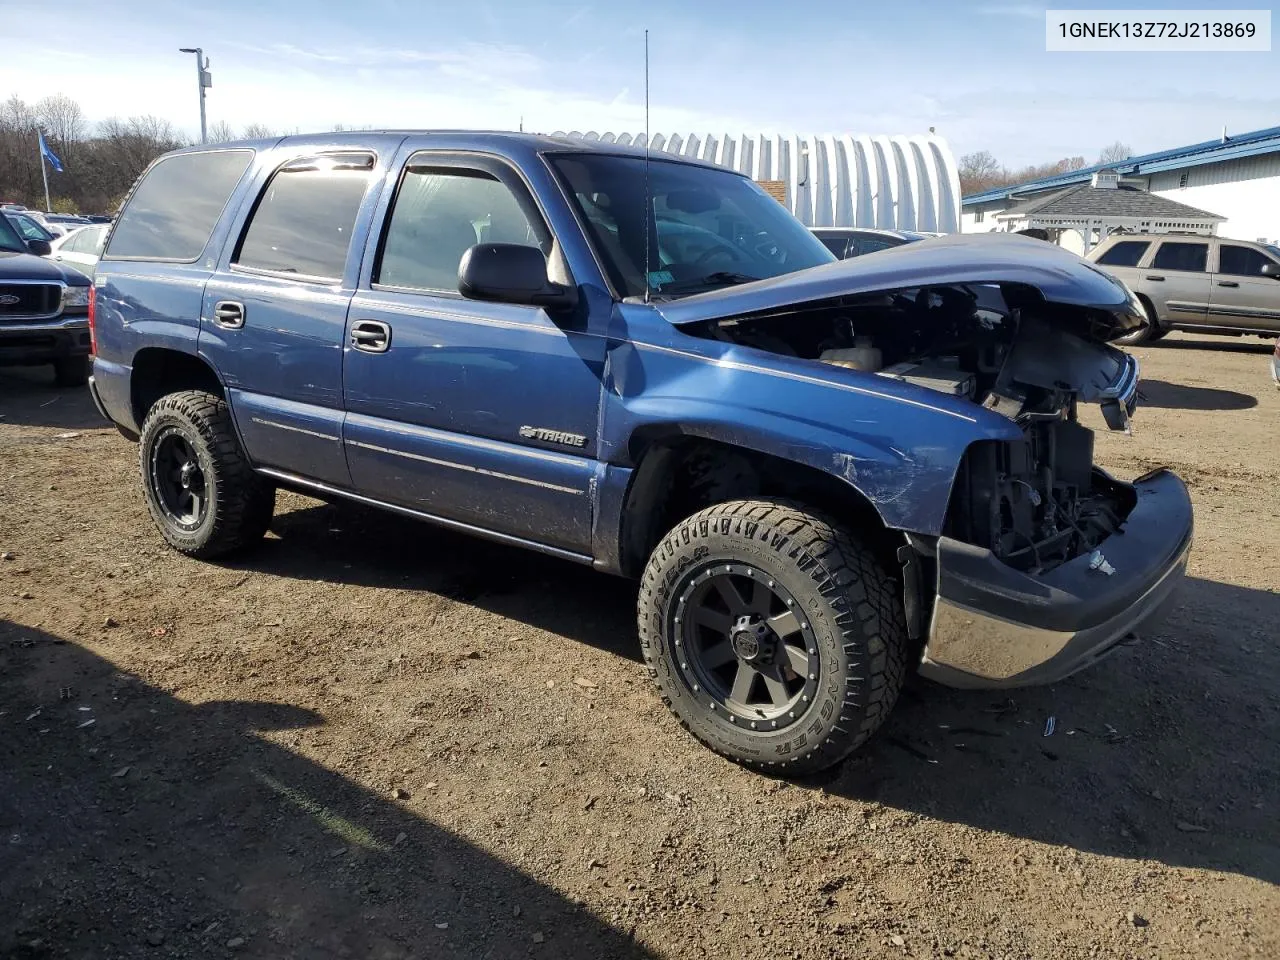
<point>93,335</point>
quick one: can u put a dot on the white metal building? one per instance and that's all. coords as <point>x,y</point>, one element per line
<point>1235,177</point>
<point>837,180</point>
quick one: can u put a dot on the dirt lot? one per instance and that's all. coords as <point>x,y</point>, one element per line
<point>374,739</point>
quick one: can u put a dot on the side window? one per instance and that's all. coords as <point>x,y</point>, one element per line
<point>75,243</point>
<point>98,236</point>
<point>303,221</point>
<point>175,207</point>
<point>438,214</point>
<point>872,244</point>
<point>835,244</point>
<point>1126,253</point>
<point>1189,257</point>
<point>1241,261</point>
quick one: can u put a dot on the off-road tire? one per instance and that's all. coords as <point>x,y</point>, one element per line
<point>240,503</point>
<point>854,607</point>
<point>71,371</point>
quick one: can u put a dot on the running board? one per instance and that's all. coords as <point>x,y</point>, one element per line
<point>504,538</point>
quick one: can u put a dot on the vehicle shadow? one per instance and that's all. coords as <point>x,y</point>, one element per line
<point>1166,751</point>
<point>350,543</point>
<point>1177,396</point>
<point>28,397</point>
<point>130,820</point>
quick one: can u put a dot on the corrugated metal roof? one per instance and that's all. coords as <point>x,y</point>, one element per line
<point>832,180</point>
<point>1210,151</point>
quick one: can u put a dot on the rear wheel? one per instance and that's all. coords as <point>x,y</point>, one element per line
<point>71,371</point>
<point>774,635</point>
<point>199,486</point>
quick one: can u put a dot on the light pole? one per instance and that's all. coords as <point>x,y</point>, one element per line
<point>203,80</point>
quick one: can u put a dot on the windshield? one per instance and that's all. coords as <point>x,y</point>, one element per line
<point>711,227</point>
<point>9,239</point>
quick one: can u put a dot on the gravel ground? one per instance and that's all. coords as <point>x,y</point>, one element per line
<point>375,739</point>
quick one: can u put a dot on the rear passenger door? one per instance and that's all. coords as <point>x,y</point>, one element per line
<point>1179,276</point>
<point>480,413</point>
<point>274,315</point>
<point>1242,296</point>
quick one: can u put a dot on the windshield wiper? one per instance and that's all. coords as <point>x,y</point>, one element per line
<point>719,278</point>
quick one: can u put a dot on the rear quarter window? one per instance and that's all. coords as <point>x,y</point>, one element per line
<point>1127,253</point>
<point>175,207</point>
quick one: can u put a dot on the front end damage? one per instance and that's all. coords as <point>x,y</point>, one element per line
<point>1044,562</point>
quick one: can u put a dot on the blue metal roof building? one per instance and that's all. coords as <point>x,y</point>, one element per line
<point>1235,176</point>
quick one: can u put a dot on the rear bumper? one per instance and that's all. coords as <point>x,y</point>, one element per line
<point>997,627</point>
<point>43,342</point>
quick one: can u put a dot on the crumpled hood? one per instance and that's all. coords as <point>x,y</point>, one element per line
<point>1005,259</point>
<point>27,266</point>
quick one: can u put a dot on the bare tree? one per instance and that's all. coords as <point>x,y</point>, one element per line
<point>258,131</point>
<point>221,132</point>
<point>62,119</point>
<point>980,171</point>
<point>1115,153</point>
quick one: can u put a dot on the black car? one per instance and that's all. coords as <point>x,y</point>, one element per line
<point>846,242</point>
<point>44,310</point>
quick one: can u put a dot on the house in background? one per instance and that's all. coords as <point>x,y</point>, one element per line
<point>1173,191</point>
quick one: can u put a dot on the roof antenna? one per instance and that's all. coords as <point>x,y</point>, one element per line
<point>648,195</point>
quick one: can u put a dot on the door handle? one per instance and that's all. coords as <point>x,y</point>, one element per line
<point>1154,278</point>
<point>229,314</point>
<point>1227,283</point>
<point>371,336</point>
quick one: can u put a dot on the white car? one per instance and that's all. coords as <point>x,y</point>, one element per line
<point>82,247</point>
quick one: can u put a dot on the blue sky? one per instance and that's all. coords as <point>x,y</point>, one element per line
<point>977,71</point>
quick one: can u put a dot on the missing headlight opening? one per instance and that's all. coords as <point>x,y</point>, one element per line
<point>1034,504</point>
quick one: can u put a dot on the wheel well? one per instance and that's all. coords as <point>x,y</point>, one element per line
<point>679,476</point>
<point>158,372</point>
<point>1151,309</point>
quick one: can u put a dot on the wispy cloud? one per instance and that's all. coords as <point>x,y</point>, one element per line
<point>576,16</point>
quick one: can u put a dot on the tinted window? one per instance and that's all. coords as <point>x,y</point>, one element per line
<point>441,212</point>
<point>9,239</point>
<point>872,244</point>
<point>1190,257</point>
<point>304,218</point>
<point>704,224</point>
<point>1241,261</point>
<point>1126,253</point>
<point>836,245</point>
<point>174,209</point>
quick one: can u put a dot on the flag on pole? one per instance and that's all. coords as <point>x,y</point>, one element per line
<point>49,155</point>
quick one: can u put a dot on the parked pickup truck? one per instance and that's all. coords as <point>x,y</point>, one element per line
<point>43,310</point>
<point>824,473</point>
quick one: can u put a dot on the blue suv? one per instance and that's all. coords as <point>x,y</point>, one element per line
<point>823,473</point>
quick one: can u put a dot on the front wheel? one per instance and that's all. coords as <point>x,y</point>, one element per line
<point>774,635</point>
<point>200,489</point>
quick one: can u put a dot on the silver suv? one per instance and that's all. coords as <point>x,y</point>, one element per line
<point>1205,284</point>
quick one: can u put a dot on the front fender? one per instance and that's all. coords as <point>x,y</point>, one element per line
<point>898,445</point>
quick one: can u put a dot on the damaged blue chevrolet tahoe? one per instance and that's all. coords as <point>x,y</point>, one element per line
<point>823,473</point>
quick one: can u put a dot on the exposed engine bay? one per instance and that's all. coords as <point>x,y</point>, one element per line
<point>1035,504</point>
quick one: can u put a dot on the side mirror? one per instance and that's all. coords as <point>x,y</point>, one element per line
<point>511,273</point>
<point>1271,270</point>
<point>40,248</point>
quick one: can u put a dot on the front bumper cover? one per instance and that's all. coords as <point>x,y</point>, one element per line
<point>994,626</point>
